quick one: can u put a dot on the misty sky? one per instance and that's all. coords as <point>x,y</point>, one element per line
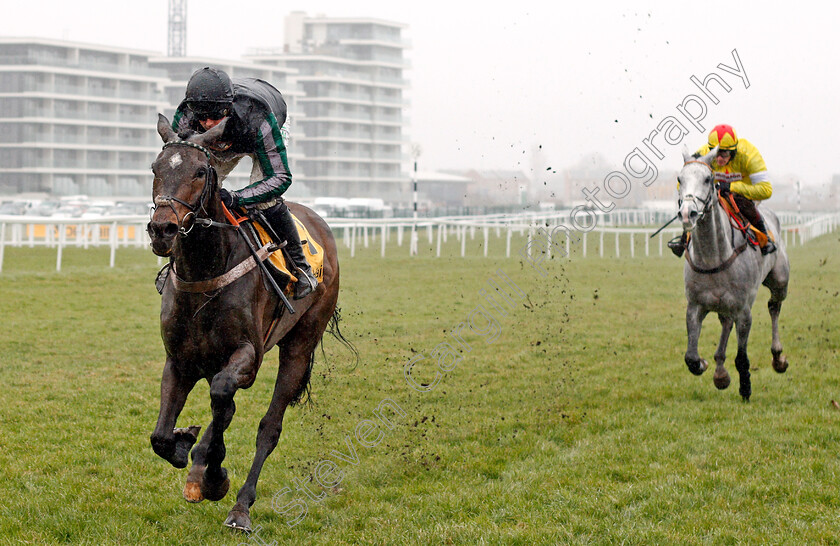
<point>489,85</point>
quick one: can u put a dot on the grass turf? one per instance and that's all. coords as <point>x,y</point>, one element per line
<point>572,419</point>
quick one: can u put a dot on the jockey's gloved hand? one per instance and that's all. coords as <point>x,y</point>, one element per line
<point>723,187</point>
<point>227,198</point>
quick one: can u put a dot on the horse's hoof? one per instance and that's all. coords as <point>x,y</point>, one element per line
<point>722,381</point>
<point>217,489</point>
<point>192,492</point>
<point>184,440</point>
<point>780,364</point>
<point>698,367</point>
<point>239,520</point>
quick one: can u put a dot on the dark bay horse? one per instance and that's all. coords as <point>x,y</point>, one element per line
<point>723,274</point>
<point>221,334</point>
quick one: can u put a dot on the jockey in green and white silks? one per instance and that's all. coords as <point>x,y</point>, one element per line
<point>255,112</point>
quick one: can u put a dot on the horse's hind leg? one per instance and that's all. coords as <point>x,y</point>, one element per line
<point>780,363</point>
<point>742,362</point>
<point>239,372</point>
<point>721,377</point>
<point>168,442</point>
<point>694,316</point>
<point>777,282</point>
<point>296,353</point>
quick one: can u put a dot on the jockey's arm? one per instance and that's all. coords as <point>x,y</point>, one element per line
<point>753,191</point>
<point>758,188</point>
<point>270,154</point>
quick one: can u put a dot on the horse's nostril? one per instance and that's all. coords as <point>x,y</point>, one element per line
<point>162,230</point>
<point>693,214</point>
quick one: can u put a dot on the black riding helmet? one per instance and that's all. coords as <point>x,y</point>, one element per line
<point>209,93</point>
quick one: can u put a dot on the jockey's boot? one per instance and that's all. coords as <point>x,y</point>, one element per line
<point>283,223</point>
<point>677,244</point>
<point>750,212</point>
<point>769,247</point>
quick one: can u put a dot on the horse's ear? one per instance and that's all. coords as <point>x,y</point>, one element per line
<point>686,154</point>
<point>709,157</point>
<point>208,138</point>
<point>165,129</point>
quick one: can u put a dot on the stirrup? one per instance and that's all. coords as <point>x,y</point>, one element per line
<point>305,284</point>
<point>677,246</point>
<point>163,274</point>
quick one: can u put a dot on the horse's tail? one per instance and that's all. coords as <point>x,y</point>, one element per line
<point>304,395</point>
<point>334,330</point>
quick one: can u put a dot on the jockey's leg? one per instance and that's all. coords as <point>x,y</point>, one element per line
<point>750,212</point>
<point>283,223</point>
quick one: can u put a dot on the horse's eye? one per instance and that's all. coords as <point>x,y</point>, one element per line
<point>201,172</point>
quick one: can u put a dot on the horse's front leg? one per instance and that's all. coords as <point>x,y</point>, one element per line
<point>240,372</point>
<point>694,316</point>
<point>722,378</point>
<point>168,442</point>
<point>192,489</point>
<point>743,324</point>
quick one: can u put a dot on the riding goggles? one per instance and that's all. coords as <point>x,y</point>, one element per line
<point>209,110</point>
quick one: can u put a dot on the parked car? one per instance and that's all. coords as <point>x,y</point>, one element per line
<point>68,211</point>
<point>45,208</point>
<point>13,208</point>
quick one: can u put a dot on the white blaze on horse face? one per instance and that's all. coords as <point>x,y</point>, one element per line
<point>175,160</point>
<point>694,193</point>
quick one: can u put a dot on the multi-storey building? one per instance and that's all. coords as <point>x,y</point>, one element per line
<point>81,118</point>
<point>75,118</point>
<point>179,70</point>
<point>352,132</point>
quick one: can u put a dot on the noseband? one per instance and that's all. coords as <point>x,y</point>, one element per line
<point>209,182</point>
<point>705,202</point>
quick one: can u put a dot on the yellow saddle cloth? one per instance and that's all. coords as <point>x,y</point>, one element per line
<point>313,252</point>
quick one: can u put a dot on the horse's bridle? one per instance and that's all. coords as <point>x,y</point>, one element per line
<point>705,202</point>
<point>209,182</point>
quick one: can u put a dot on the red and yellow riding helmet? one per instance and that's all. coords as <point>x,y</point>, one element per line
<point>723,136</point>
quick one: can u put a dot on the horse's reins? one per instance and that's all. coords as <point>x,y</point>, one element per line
<point>705,208</point>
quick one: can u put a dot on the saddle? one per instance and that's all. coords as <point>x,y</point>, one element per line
<point>279,261</point>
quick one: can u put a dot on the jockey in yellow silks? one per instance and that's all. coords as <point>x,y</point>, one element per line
<point>739,169</point>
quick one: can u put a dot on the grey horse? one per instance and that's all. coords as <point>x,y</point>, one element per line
<point>723,274</point>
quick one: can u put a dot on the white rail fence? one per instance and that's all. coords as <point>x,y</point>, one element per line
<point>130,231</point>
<point>438,230</point>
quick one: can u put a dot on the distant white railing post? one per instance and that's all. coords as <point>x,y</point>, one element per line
<point>62,237</point>
<point>2,243</point>
<point>114,241</point>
